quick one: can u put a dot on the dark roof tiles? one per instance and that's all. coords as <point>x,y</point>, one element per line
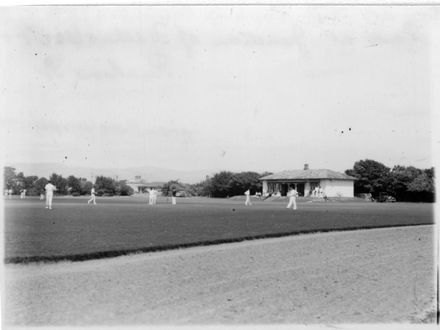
<point>308,175</point>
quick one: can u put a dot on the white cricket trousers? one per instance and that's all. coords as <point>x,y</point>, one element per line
<point>49,197</point>
<point>92,199</point>
<point>292,202</point>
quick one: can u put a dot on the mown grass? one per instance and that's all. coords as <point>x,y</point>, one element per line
<point>76,231</point>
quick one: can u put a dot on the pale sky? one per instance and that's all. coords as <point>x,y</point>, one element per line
<point>217,87</point>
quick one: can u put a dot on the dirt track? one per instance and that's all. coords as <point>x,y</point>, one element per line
<point>379,275</point>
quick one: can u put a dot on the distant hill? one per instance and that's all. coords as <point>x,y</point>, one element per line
<point>147,173</point>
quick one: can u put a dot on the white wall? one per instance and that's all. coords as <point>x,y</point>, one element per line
<point>264,186</point>
<point>338,188</point>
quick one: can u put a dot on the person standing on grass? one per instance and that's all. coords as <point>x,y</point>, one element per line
<point>41,196</point>
<point>248,198</point>
<point>292,194</point>
<point>50,188</point>
<point>173,196</point>
<point>154,196</point>
<point>10,193</point>
<point>150,197</point>
<point>320,192</point>
<point>92,197</point>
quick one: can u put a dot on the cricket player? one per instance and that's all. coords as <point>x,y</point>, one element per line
<point>50,188</point>
<point>248,198</point>
<point>153,196</point>
<point>292,194</point>
<point>173,196</point>
<point>92,197</point>
<point>150,196</point>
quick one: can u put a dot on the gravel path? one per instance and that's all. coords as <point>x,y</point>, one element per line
<point>378,275</point>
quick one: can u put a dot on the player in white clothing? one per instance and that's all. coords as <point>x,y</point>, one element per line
<point>292,194</point>
<point>50,188</point>
<point>92,197</point>
<point>248,198</point>
<point>153,196</point>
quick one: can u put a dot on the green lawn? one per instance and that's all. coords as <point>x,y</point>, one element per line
<point>74,230</point>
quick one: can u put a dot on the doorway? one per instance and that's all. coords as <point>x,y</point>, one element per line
<point>300,188</point>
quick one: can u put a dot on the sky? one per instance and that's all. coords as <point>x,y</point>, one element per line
<point>262,88</point>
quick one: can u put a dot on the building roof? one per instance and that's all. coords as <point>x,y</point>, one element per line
<point>144,183</point>
<point>308,175</point>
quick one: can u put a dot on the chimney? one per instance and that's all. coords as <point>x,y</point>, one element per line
<point>306,167</point>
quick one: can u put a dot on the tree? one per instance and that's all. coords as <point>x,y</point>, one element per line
<point>221,184</point>
<point>39,185</point>
<point>86,186</point>
<point>421,183</point>
<point>170,185</point>
<point>202,188</point>
<point>400,178</point>
<point>105,186</point>
<point>20,181</point>
<point>10,179</point>
<point>122,189</point>
<point>29,185</point>
<point>74,185</point>
<point>412,184</point>
<point>372,176</point>
<point>29,181</point>
<point>59,182</point>
<point>240,182</point>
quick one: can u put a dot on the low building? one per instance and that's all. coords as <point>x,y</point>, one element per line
<point>333,184</point>
<point>141,186</point>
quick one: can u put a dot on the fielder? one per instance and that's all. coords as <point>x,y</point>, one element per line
<point>92,197</point>
<point>150,196</point>
<point>248,198</point>
<point>173,196</point>
<point>50,188</point>
<point>292,194</point>
<point>153,196</point>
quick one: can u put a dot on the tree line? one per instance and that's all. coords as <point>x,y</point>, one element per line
<point>228,184</point>
<point>34,186</point>
<point>405,183</point>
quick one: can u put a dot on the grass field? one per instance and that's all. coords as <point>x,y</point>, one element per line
<point>75,231</point>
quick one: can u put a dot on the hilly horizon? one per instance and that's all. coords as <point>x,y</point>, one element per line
<point>147,173</point>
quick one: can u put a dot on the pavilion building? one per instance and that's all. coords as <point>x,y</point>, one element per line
<point>333,184</point>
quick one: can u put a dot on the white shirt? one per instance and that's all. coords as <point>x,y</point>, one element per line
<point>247,193</point>
<point>292,193</point>
<point>93,191</point>
<point>50,188</point>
